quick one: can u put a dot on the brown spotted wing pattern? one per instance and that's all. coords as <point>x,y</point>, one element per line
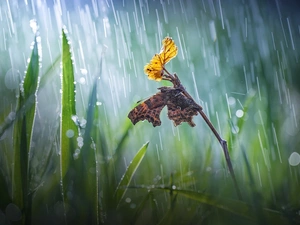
<point>180,108</point>
<point>148,110</point>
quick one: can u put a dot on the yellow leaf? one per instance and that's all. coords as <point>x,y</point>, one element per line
<point>168,51</point>
<point>155,68</point>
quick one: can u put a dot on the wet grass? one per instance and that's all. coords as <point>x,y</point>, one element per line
<point>69,154</point>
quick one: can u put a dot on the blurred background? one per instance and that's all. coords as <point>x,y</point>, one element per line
<point>238,59</point>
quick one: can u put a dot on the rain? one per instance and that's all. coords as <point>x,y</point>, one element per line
<point>239,60</point>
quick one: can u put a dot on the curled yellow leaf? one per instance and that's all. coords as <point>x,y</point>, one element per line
<point>154,69</point>
<point>168,51</point>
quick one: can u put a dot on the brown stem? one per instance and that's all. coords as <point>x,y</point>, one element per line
<point>177,84</point>
<point>223,143</point>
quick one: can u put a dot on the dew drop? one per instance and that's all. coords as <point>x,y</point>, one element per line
<point>34,26</point>
<point>239,113</point>
<point>294,159</point>
<point>70,133</point>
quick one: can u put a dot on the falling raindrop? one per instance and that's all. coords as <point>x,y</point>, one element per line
<point>212,29</point>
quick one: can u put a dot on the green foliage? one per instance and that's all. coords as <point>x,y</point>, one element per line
<point>127,177</point>
<point>22,136</point>
<point>68,129</point>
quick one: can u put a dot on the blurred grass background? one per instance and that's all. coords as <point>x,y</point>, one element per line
<point>238,59</point>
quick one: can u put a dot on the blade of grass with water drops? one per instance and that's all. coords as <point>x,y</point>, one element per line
<point>125,180</point>
<point>6,121</point>
<point>68,128</point>
<point>23,128</point>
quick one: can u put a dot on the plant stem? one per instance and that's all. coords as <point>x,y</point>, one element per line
<point>223,143</point>
<point>177,84</point>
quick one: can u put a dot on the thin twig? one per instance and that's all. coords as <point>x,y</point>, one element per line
<point>177,84</point>
<point>223,143</point>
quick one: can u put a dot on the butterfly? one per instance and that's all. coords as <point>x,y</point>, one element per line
<point>181,108</point>
<point>155,69</point>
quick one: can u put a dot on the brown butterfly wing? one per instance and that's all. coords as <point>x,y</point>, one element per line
<point>182,109</point>
<point>149,110</point>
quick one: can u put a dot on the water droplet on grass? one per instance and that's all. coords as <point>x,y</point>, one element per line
<point>70,133</point>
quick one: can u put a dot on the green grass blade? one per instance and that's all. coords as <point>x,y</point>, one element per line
<point>22,135</point>
<point>31,83</point>
<point>140,207</point>
<point>4,193</point>
<point>48,74</point>
<point>125,181</point>
<point>169,215</point>
<point>88,170</point>
<point>68,129</point>
<point>6,122</point>
<point>19,163</point>
<point>236,207</point>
